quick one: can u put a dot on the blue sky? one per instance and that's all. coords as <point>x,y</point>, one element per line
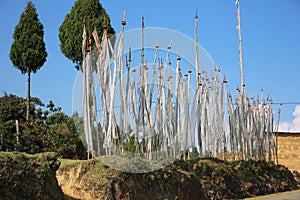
<point>270,31</point>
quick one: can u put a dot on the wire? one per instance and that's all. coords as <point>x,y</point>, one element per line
<point>286,103</point>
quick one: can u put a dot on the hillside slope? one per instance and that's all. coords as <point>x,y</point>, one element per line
<point>193,179</point>
<point>24,176</point>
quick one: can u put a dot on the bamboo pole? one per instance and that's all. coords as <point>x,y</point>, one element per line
<point>240,47</point>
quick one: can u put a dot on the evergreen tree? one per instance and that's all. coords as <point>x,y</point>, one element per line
<point>28,52</point>
<point>70,32</point>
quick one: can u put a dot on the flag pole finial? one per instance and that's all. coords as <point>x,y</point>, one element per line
<point>124,19</point>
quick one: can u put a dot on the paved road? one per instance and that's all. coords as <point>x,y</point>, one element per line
<point>293,195</point>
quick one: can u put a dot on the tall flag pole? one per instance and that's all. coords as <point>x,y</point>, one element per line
<point>196,50</point>
<point>238,27</point>
<point>142,52</point>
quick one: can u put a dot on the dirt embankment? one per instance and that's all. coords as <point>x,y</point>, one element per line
<point>24,176</point>
<point>194,179</point>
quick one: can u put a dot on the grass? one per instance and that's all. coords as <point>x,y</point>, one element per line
<point>67,162</point>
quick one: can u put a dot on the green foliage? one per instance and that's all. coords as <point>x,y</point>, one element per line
<point>28,52</point>
<point>70,32</point>
<point>48,130</point>
<point>12,108</point>
<point>62,136</point>
<point>24,176</point>
<point>151,177</point>
<point>130,147</point>
<point>7,141</point>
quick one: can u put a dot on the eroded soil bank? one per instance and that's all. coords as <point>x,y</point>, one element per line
<point>194,179</point>
<point>44,176</point>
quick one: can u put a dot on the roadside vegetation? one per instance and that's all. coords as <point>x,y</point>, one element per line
<point>47,130</point>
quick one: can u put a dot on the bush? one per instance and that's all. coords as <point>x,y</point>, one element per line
<point>48,129</point>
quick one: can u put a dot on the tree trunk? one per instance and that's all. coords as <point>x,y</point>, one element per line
<point>28,96</point>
